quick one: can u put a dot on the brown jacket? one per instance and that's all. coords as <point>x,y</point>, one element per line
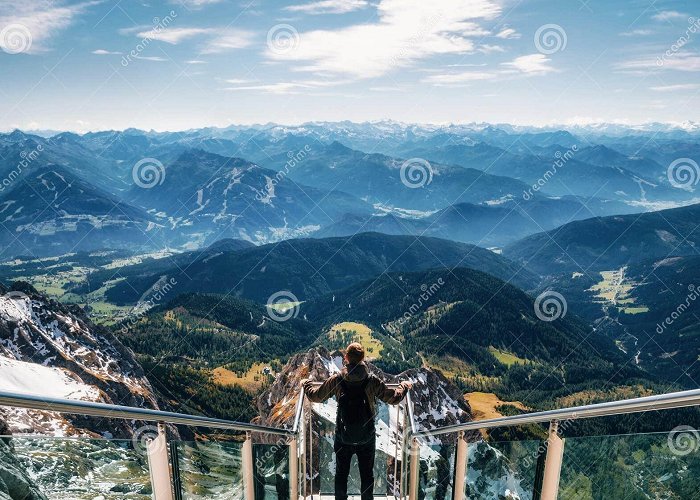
<point>355,374</point>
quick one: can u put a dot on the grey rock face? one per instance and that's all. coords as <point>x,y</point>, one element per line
<point>15,484</point>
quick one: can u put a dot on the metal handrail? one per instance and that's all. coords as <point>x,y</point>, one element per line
<point>89,408</point>
<point>411,416</point>
<point>299,411</point>
<point>657,402</point>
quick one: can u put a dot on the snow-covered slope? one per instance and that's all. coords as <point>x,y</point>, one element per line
<point>31,378</point>
<point>52,350</point>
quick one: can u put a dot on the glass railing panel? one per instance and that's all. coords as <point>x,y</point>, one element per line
<point>436,468</point>
<point>210,470</point>
<point>502,469</point>
<point>324,467</point>
<point>67,468</point>
<point>658,465</point>
<point>271,467</point>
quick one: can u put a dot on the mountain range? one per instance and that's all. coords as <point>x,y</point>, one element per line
<point>603,243</point>
<point>269,183</point>
<point>311,267</point>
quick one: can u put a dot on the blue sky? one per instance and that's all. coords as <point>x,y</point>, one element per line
<point>179,64</point>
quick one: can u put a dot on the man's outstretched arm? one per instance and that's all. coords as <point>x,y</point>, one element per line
<point>320,393</point>
<point>392,396</point>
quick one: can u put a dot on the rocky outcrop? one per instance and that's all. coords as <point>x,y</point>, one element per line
<point>436,401</point>
<point>51,349</point>
<point>15,484</point>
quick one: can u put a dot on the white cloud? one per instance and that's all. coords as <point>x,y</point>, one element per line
<point>43,20</point>
<point>531,64</point>
<point>284,88</point>
<point>274,88</point>
<point>217,39</point>
<point>195,4</point>
<point>237,81</point>
<point>679,61</point>
<point>489,49</point>
<point>228,40</point>
<point>639,32</point>
<point>195,61</point>
<point>329,6</point>
<point>406,31</point>
<point>172,35</point>
<point>103,52</point>
<point>386,88</point>
<point>451,79</point>
<point>507,33</point>
<point>676,87</point>
<point>534,64</point>
<point>151,58</point>
<point>668,15</point>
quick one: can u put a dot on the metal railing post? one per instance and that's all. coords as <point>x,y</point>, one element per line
<point>460,468</point>
<point>552,464</point>
<point>414,470</point>
<point>247,467</point>
<point>396,487</point>
<point>158,466</point>
<point>175,469</point>
<point>294,468</point>
<point>302,456</point>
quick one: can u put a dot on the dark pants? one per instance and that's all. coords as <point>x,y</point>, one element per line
<point>365,462</point>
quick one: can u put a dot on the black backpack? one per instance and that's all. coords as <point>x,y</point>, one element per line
<point>355,421</point>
